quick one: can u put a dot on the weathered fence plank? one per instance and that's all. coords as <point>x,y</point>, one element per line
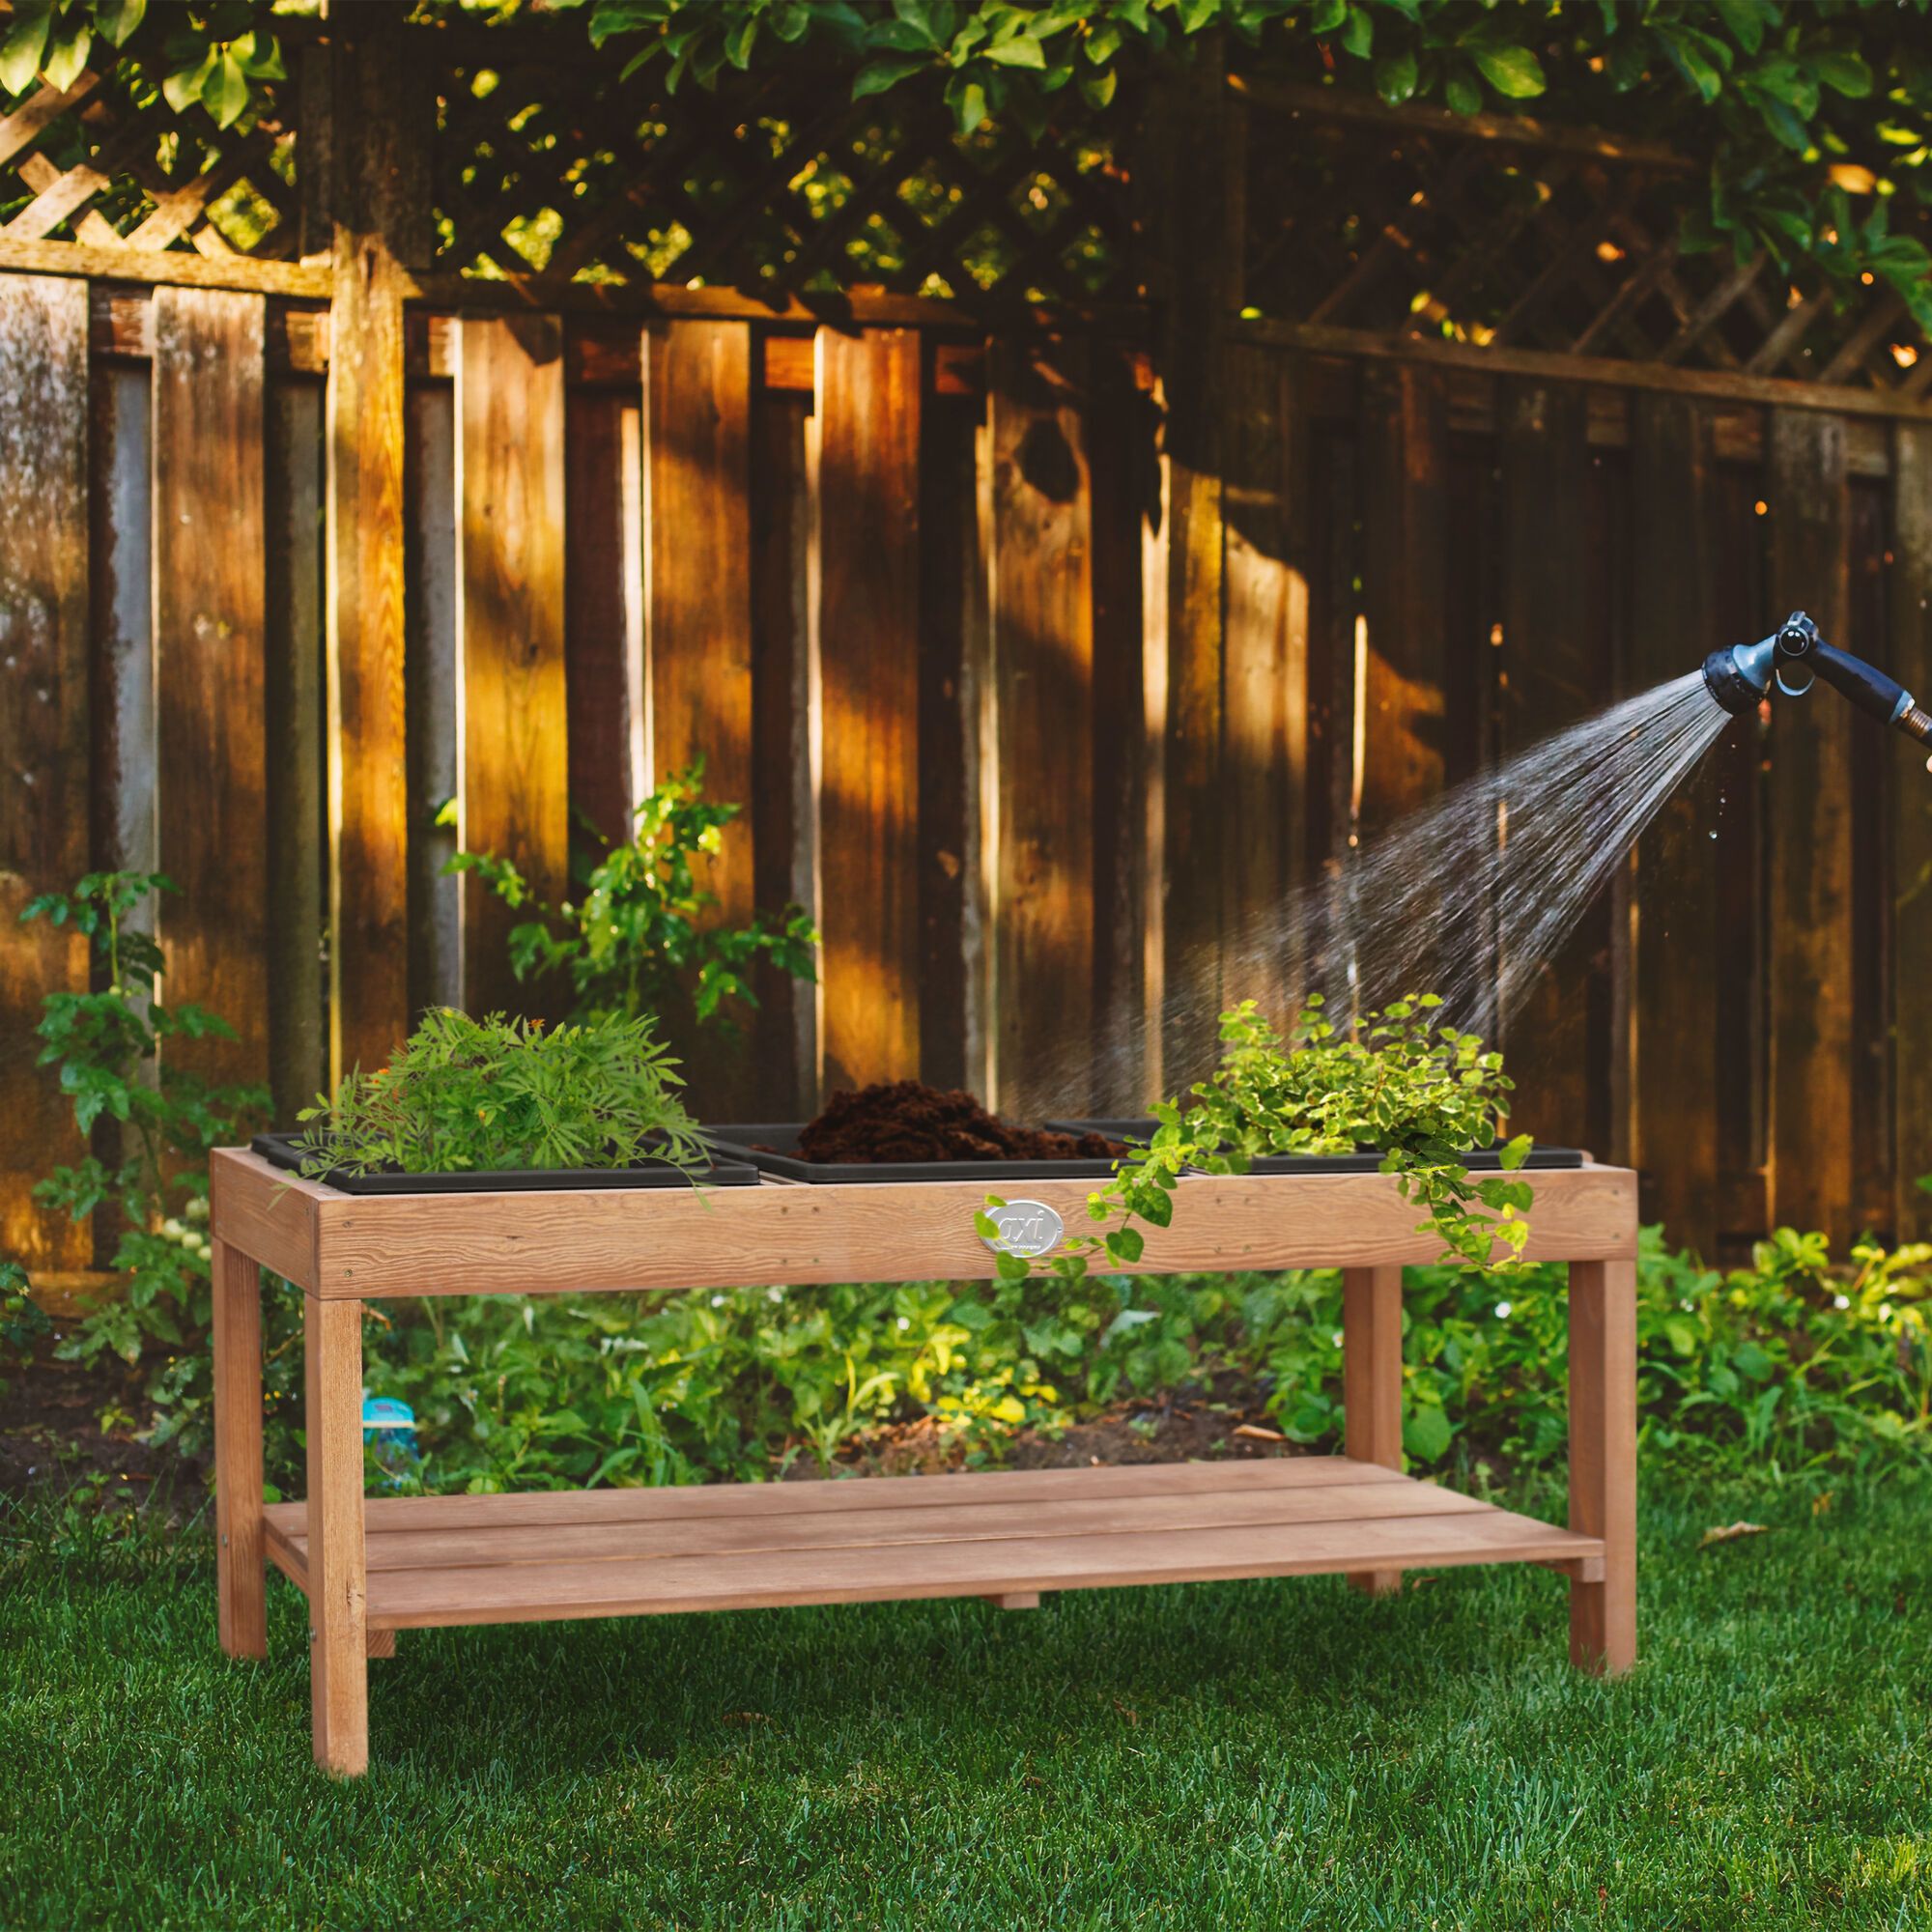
<point>210,593</point>
<point>698,616</point>
<point>1265,695</point>
<point>602,499</point>
<point>1555,673</point>
<point>512,775</point>
<point>1043,666</point>
<point>866,624</point>
<point>1911,662</point>
<point>1810,842</point>
<point>1672,626</point>
<point>296,708</point>
<point>43,730</point>
<point>374,155</point>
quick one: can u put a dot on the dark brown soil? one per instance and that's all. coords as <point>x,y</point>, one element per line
<point>51,1435</point>
<point>1225,1423</point>
<point>907,1121</point>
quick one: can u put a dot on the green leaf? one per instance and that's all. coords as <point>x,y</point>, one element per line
<point>889,71</point>
<point>1746,21</point>
<point>1022,51</point>
<point>1515,1151</point>
<point>181,88</point>
<point>1514,72</point>
<point>1097,89</point>
<point>1126,1246</point>
<point>64,64</point>
<point>1846,72</point>
<point>1326,16</point>
<point>1463,95</point>
<point>118,18</point>
<point>1395,78</point>
<point>20,50</point>
<point>1358,33</point>
<point>967,100</point>
<point>1425,1433</point>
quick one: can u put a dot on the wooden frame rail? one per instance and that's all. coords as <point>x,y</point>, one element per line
<point>371,1567</point>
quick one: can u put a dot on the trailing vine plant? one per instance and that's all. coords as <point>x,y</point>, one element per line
<point>1423,1095</point>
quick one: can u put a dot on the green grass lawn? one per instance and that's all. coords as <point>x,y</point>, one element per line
<point>1264,1754</point>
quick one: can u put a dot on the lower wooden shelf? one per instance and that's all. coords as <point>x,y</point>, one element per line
<point>437,1560</point>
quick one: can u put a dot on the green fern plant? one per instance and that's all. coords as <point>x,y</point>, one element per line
<point>468,1095</point>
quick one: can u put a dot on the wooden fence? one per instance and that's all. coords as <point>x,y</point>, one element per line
<point>1045,654</point>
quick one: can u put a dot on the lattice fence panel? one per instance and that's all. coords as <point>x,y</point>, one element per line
<point>106,162</point>
<point>778,185</point>
<point>1423,232</point>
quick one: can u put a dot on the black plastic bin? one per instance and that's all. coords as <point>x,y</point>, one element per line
<point>728,1172</point>
<point>1487,1162</point>
<point>774,1148</point>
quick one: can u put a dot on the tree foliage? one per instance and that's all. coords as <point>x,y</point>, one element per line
<point>1813,117</point>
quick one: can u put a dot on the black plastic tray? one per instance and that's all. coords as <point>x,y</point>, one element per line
<point>1488,1160</point>
<point>282,1151</point>
<point>741,1142</point>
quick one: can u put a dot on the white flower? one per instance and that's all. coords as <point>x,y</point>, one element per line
<point>1502,1310</point>
<point>196,1209</point>
<point>904,1322</point>
<point>717,1301</point>
<point>173,1229</point>
<point>1841,1301</point>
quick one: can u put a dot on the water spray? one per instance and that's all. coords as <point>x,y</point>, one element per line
<point>1792,658</point>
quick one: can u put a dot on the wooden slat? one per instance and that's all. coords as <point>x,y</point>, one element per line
<point>867,637</point>
<point>1372,1384</point>
<point>41,110</point>
<point>411,1599</point>
<point>510,1558</point>
<point>1555,672</point>
<point>267,1214</point>
<point>1396,346</point>
<point>336,1558</point>
<point>1124,463</point>
<point>377,195</point>
<point>513,770</point>
<point>615,1510</point>
<point>1910,603</point>
<point>43,732</point>
<point>781,801</point>
<point>864,1532</point>
<point>1264,700</point>
<point>1673,627</point>
<point>211,537</point>
<point>697,416</point>
<point>1603,1461</point>
<point>236,1342</point>
<point>1810,859</point>
<point>1404,682</point>
<point>296,702</point>
<point>646,1240</point>
<point>1043,607</point>
<point>602,426</point>
<point>953,646</point>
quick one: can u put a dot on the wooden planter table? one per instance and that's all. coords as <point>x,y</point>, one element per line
<point>373,1567</point>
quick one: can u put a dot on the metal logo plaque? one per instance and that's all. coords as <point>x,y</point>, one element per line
<point>1029,1228</point>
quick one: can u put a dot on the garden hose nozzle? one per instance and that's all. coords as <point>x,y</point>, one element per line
<point>1793,656</point>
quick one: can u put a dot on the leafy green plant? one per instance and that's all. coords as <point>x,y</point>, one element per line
<point>22,1320</point>
<point>1423,1095</point>
<point>1787,103</point>
<point>464,1094</point>
<point>111,1046</point>
<point>640,936</point>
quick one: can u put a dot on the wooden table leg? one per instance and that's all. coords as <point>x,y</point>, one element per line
<point>1372,1385</point>
<point>240,1566</point>
<point>1602,1460</point>
<point>337,1556</point>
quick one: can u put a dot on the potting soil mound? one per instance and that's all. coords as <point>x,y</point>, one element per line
<point>907,1121</point>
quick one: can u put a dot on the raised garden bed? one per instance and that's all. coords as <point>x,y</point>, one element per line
<point>283,1151</point>
<point>373,1567</point>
